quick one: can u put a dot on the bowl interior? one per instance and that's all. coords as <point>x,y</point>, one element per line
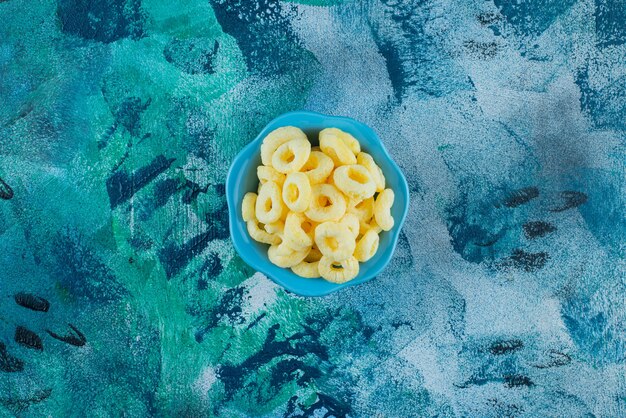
<point>242,179</point>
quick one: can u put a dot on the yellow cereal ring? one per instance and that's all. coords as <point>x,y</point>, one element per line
<point>334,240</point>
<point>297,192</point>
<point>367,226</point>
<point>298,231</point>
<point>327,203</point>
<point>355,181</point>
<point>352,222</point>
<point>248,207</point>
<point>265,174</point>
<point>366,160</point>
<point>318,167</point>
<point>338,272</point>
<point>269,204</point>
<point>291,156</point>
<point>260,235</point>
<point>276,228</point>
<point>314,255</point>
<point>351,142</point>
<point>367,246</point>
<point>306,269</point>
<point>284,256</point>
<point>336,149</point>
<point>382,209</point>
<point>276,138</point>
<point>364,210</point>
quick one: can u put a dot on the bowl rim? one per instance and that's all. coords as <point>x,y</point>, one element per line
<point>232,209</point>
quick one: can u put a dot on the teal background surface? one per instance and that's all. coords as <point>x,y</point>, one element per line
<point>121,293</point>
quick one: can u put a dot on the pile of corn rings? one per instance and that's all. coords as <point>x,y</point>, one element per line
<point>319,208</point>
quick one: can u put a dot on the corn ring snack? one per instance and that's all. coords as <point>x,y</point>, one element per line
<point>352,222</point>
<point>338,271</point>
<point>367,246</point>
<point>382,209</point>
<point>297,192</point>
<point>291,156</point>
<point>260,235</point>
<point>276,138</point>
<point>276,228</point>
<point>308,270</point>
<point>351,142</point>
<point>364,210</point>
<point>366,160</point>
<point>318,167</point>
<point>284,256</point>
<point>334,240</point>
<point>298,231</point>
<point>314,255</point>
<point>355,181</point>
<point>248,210</point>
<point>327,203</point>
<point>266,173</point>
<point>269,204</point>
<point>336,149</point>
<point>367,226</point>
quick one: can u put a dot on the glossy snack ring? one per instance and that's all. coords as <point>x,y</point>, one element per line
<point>276,138</point>
<point>295,235</point>
<point>318,167</point>
<point>336,149</point>
<point>269,203</point>
<point>382,209</point>
<point>291,156</point>
<point>354,181</point>
<point>297,192</point>
<point>318,211</point>
<point>348,270</point>
<point>335,240</point>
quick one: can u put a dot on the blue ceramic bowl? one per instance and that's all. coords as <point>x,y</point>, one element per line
<point>242,179</point>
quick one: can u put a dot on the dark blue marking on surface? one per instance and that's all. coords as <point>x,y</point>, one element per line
<point>20,405</point>
<point>163,190</point>
<point>9,363</point>
<point>121,186</point>
<point>79,270</point>
<point>517,380</point>
<point>520,197</point>
<point>571,199</point>
<point>529,262</point>
<point>228,308</point>
<point>403,40</point>
<point>532,17</point>
<point>263,33</point>
<point>6,192</point>
<point>481,50</point>
<point>256,320</point>
<point>212,266</point>
<point>27,338</point>
<point>102,20</point>
<point>192,55</point>
<point>324,406</point>
<point>175,257</point>
<point>499,348</point>
<point>192,190</point>
<point>610,16</point>
<point>556,359</point>
<point>298,345</point>
<point>537,229</point>
<point>75,338</point>
<point>606,106</point>
<point>32,302</point>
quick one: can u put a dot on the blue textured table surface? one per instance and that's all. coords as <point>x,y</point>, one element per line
<point>121,294</point>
